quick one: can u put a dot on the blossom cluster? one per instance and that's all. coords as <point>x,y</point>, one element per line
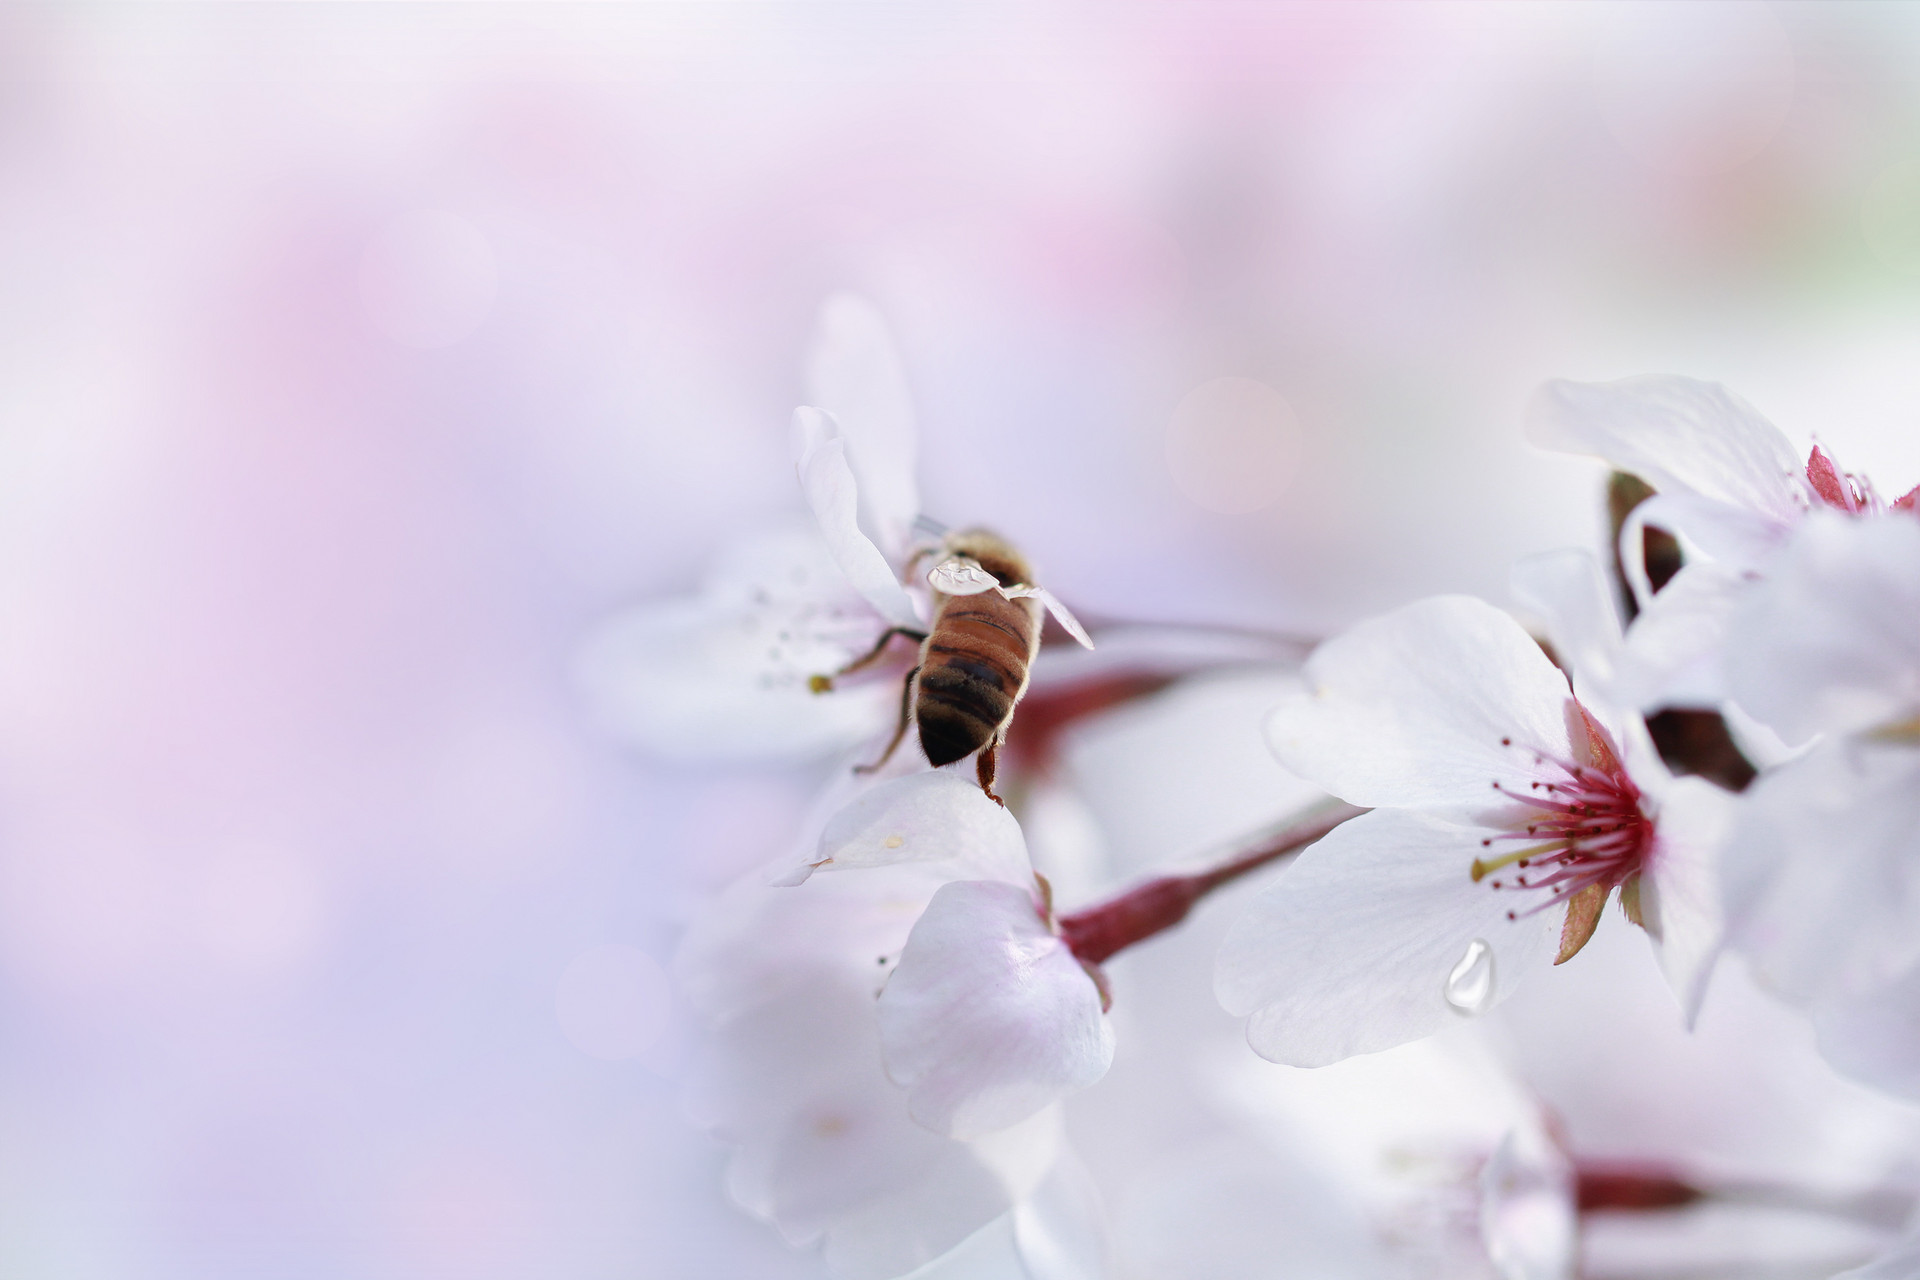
<point>1714,724</point>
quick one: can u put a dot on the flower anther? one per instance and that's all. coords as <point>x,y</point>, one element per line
<point>1583,830</point>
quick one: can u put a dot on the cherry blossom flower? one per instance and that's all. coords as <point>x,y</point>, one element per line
<point>784,980</point>
<point>734,672</point>
<point>1823,874</point>
<point>1209,1176</point>
<point>1766,1160</point>
<point>1445,1149</point>
<point>723,675</point>
<point>996,1008</point>
<point>987,1016</point>
<point>1502,801</point>
<point>727,673</point>
<point>1727,483</point>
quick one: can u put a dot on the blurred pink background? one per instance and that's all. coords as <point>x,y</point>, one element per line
<point>354,360</point>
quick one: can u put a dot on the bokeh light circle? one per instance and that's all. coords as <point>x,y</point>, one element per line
<point>1233,446</point>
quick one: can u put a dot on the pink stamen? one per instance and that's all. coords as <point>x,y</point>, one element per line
<point>1592,832</point>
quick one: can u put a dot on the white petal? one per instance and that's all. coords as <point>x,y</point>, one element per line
<point>785,980</point>
<point>1350,949</point>
<point>1054,1234</point>
<point>1900,1262</point>
<point>1380,1125</point>
<point>921,1220</point>
<point>1226,1210</point>
<point>988,1017</point>
<point>1680,890</point>
<point>1707,530</point>
<point>1757,742</point>
<point>1680,435</point>
<point>1061,1227</point>
<point>1672,656</point>
<point>1410,709</point>
<point>1832,643</point>
<point>1822,873</point>
<point>936,814</point>
<point>757,942</point>
<point>1570,596</point>
<point>854,373</point>
<point>723,675</point>
<point>1874,1036</point>
<point>831,491</point>
<point>1528,1220</point>
<point>991,1253</point>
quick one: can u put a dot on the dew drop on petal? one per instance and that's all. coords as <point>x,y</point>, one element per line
<point>957,577</point>
<point>1470,982</point>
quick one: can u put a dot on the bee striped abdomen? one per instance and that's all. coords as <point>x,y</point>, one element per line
<point>972,670</point>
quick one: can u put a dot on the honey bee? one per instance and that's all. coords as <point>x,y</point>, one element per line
<point>976,658</point>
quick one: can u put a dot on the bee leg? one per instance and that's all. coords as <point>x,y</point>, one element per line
<point>987,764</point>
<point>900,731</point>
<point>824,684</point>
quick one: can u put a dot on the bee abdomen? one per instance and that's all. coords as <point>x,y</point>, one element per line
<point>958,712</point>
<point>973,669</point>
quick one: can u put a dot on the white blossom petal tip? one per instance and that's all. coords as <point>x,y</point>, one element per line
<point>1828,644</point>
<point>939,815</point>
<point>988,1017</point>
<point>855,373</point>
<point>1568,593</point>
<point>1421,707</point>
<point>1680,890</point>
<point>827,478</point>
<point>1677,434</point>
<point>1529,1221</point>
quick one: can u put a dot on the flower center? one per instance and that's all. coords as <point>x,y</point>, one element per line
<point>1580,826</point>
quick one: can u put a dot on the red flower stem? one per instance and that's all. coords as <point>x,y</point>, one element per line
<point>1611,1186</point>
<point>1108,928</point>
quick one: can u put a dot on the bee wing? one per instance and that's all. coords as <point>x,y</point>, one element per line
<point>1054,607</point>
<point>959,576</point>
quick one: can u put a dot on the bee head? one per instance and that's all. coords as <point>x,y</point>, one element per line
<point>993,553</point>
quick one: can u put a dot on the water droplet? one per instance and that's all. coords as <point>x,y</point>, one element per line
<point>1470,983</point>
<point>958,577</point>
